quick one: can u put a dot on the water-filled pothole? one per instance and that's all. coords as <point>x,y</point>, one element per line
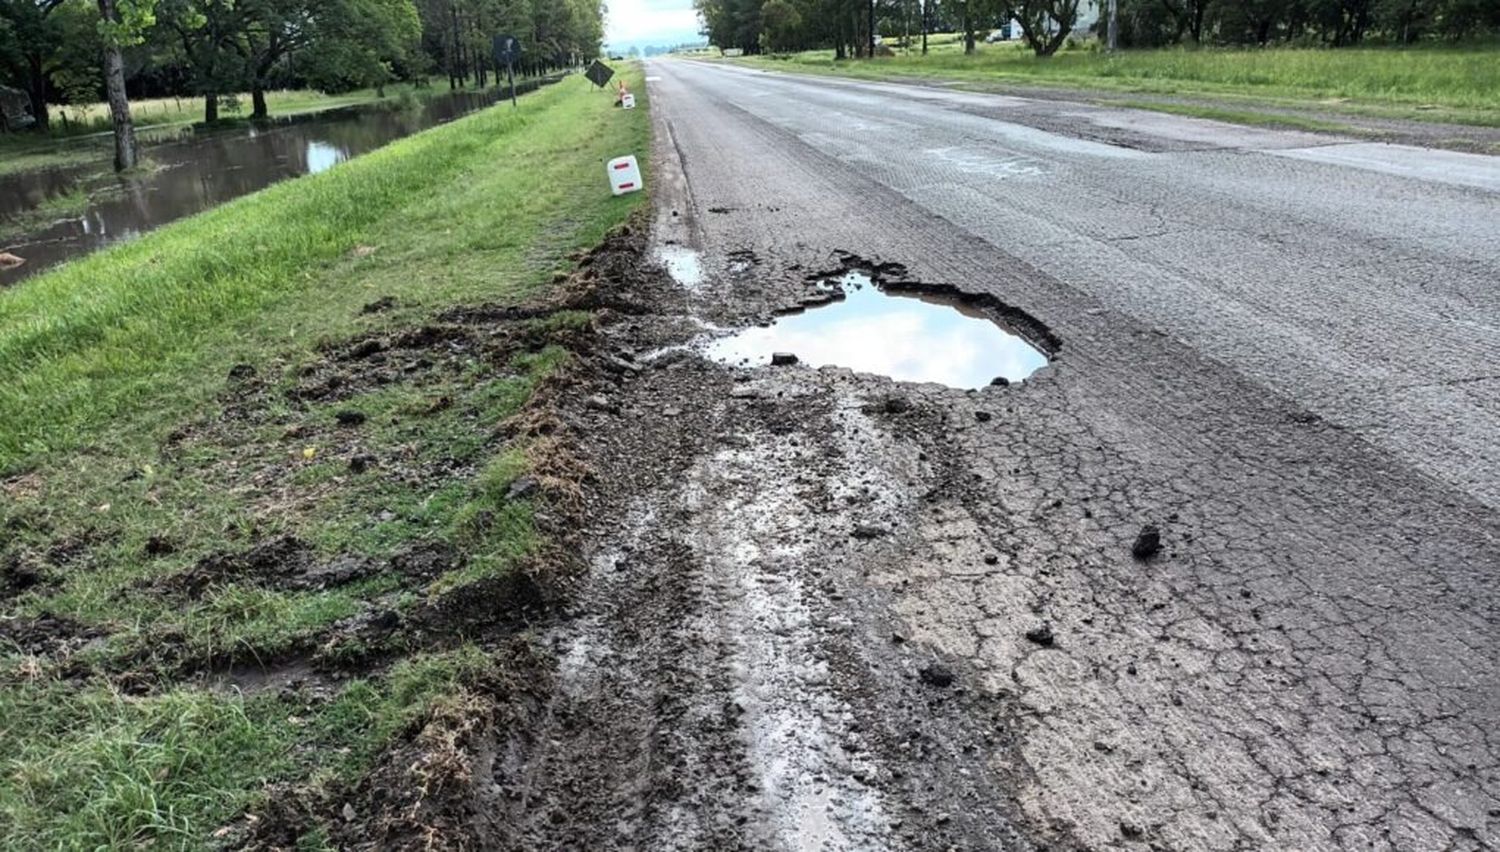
<point>683,264</point>
<point>910,337</point>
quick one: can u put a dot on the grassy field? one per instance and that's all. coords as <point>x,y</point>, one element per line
<point>202,424</point>
<point>1444,83</point>
<point>81,133</point>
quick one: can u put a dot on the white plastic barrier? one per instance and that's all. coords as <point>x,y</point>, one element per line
<point>624,175</point>
<point>628,101</point>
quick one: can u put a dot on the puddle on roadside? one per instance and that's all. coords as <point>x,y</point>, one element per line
<point>909,337</point>
<point>682,263</point>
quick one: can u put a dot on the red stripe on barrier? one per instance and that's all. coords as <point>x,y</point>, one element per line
<point>619,166</point>
<point>627,186</point>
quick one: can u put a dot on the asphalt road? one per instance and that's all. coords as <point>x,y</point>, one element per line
<point>1282,348</point>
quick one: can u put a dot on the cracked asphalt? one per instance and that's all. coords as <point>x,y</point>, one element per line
<point>815,616</point>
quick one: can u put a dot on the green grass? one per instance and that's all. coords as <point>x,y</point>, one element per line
<point>91,768</point>
<point>122,430</point>
<point>1440,83</point>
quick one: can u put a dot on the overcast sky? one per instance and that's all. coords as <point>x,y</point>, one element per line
<point>647,22</point>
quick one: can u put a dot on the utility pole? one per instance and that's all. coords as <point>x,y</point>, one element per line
<point>1114,29</point>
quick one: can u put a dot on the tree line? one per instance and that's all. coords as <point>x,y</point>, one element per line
<point>81,51</point>
<point>846,26</point>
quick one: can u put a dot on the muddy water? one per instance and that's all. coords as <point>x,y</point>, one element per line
<point>909,337</point>
<point>202,170</point>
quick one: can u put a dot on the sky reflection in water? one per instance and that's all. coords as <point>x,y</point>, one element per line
<point>906,337</point>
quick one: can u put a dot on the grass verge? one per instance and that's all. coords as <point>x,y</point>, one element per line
<point>1431,83</point>
<point>249,457</point>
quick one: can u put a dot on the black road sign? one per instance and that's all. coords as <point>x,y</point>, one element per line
<point>599,73</point>
<point>507,49</point>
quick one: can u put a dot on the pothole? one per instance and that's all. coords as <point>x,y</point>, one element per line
<point>683,264</point>
<point>910,337</point>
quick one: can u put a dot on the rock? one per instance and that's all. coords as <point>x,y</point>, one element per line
<point>1147,543</point>
<point>361,463</point>
<point>350,417</point>
<point>1042,635</point>
<point>868,531</point>
<point>743,393</point>
<point>937,675</point>
<point>1130,829</point>
<point>983,416</point>
<point>897,405</point>
<point>522,487</point>
<point>600,402</point>
<point>991,559</point>
<point>999,382</point>
<point>671,411</point>
<point>783,359</point>
<point>348,812</point>
<point>240,372</point>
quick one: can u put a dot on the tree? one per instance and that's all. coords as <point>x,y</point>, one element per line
<point>1046,24</point>
<point>783,25</point>
<point>206,31</point>
<point>35,38</point>
<point>265,34</point>
<point>123,23</point>
<point>358,43</point>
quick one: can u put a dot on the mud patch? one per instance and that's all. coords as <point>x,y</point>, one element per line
<point>903,333</point>
<point>281,563</point>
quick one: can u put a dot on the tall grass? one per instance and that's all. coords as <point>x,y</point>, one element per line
<point>1454,77</point>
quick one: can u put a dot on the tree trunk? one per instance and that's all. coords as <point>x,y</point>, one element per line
<point>258,101</point>
<point>968,30</point>
<point>126,155</point>
<point>36,91</point>
<point>210,108</point>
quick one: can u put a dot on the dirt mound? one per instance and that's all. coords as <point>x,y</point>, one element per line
<point>280,563</point>
<point>46,635</point>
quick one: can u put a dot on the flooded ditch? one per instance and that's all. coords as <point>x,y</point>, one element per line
<point>907,335</point>
<point>198,171</point>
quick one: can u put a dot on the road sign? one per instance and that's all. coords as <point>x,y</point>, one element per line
<point>507,50</point>
<point>599,73</point>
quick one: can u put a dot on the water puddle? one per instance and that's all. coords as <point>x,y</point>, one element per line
<point>683,264</point>
<point>909,337</point>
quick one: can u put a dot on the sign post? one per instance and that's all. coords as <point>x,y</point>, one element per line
<point>599,73</point>
<point>507,50</point>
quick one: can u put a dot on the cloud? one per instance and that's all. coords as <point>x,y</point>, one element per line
<point>665,21</point>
